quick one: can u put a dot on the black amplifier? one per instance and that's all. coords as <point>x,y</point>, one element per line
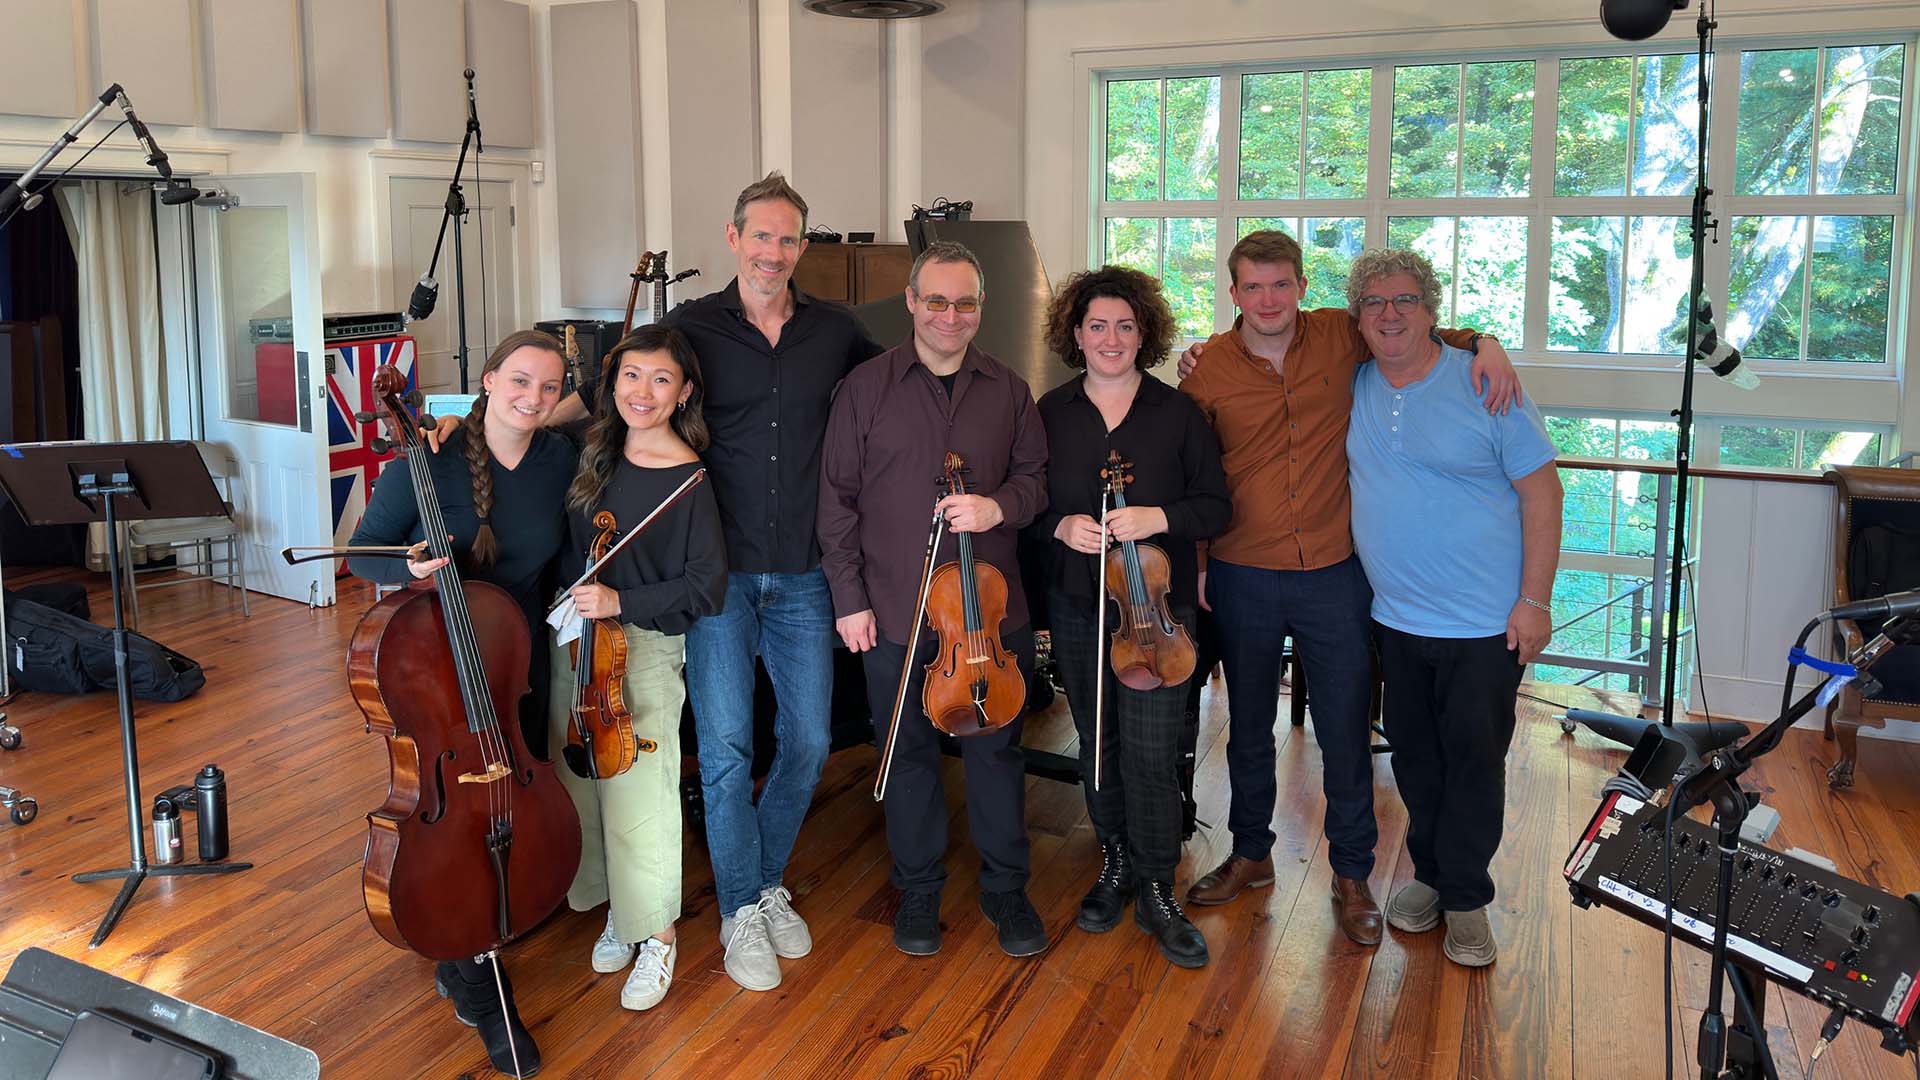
<point>1838,941</point>
<point>344,326</point>
<point>595,338</point>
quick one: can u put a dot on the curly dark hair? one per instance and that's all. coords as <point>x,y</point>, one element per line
<point>607,434</point>
<point>1139,291</point>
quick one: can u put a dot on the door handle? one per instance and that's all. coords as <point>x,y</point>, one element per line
<point>304,381</point>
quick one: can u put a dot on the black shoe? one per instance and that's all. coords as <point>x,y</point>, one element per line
<point>1159,914</point>
<point>916,926</point>
<point>1103,905</point>
<point>1021,931</point>
<point>476,1003</point>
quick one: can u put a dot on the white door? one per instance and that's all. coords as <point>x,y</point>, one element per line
<point>416,207</point>
<point>263,387</point>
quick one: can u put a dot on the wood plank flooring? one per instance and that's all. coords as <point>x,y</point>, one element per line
<point>287,947</point>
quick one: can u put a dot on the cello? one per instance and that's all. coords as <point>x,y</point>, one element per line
<point>477,842</point>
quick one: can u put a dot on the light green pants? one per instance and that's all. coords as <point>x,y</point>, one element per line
<point>630,824</point>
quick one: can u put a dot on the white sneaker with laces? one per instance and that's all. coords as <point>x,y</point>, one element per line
<point>784,925</point>
<point>652,975</point>
<point>750,957</point>
<point>610,954</point>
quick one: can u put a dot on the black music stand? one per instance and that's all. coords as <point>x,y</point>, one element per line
<point>67,483</point>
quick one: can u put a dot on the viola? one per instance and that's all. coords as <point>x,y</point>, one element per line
<point>600,739</point>
<point>477,841</point>
<point>973,685</point>
<point>1149,648</point>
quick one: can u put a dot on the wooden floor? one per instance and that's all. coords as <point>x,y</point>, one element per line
<point>287,947</point>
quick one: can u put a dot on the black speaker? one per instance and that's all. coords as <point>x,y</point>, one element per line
<point>596,338</point>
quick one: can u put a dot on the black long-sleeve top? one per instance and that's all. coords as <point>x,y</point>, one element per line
<point>767,405</point>
<point>527,517</point>
<point>1176,466</point>
<point>673,573</point>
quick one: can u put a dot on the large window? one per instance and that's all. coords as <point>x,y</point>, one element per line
<point>1550,191</point>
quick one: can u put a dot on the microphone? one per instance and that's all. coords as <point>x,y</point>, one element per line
<point>1890,606</point>
<point>177,193</point>
<point>156,157</point>
<point>425,292</point>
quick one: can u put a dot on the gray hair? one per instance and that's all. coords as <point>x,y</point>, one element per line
<point>946,251</point>
<point>1386,262</point>
<point>773,186</point>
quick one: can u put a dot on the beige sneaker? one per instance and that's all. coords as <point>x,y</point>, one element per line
<point>1470,938</point>
<point>1415,909</point>
<point>791,941</point>
<point>750,959</point>
<point>610,954</point>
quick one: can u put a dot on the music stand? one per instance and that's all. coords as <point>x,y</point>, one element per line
<point>69,483</point>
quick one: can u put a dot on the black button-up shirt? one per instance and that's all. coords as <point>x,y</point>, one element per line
<point>1176,467</point>
<point>767,406</point>
<point>892,426</point>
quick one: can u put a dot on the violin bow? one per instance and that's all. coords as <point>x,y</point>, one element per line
<point>906,666</point>
<point>1100,649</point>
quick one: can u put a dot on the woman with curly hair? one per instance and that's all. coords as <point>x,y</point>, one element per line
<point>500,484</point>
<point>1115,324</point>
<point>642,444</point>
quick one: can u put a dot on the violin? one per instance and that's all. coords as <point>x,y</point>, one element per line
<point>1149,648</point>
<point>973,685</point>
<point>600,740</point>
<point>477,842</point>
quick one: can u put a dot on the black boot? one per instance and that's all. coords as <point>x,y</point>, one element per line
<point>1159,914</point>
<point>1103,905</point>
<point>476,1003</point>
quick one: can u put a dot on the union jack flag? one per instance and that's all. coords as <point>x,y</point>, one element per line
<point>350,456</point>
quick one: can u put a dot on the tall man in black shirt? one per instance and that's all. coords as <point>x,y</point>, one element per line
<point>772,356</point>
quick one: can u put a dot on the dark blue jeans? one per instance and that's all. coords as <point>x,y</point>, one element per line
<point>1325,612</point>
<point>787,621</point>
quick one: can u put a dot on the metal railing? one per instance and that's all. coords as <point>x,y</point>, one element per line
<point>1647,602</point>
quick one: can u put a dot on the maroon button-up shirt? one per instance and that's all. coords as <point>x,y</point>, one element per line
<point>887,438</point>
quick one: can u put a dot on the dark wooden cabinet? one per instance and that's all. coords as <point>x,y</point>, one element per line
<point>853,273</point>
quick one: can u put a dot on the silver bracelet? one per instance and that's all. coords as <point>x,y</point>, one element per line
<point>1535,603</point>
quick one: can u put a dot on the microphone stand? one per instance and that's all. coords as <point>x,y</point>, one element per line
<point>457,207</point>
<point>1717,780</point>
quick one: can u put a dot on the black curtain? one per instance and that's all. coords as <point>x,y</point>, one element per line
<point>44,279</point>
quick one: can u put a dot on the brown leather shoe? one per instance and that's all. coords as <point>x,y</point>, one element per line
<point>1353,905</point>
<point>1229,879</point>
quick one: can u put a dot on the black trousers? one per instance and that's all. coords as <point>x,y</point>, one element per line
<point>1138,802</point>
<point>916,803</point>
<point>1449,713</point>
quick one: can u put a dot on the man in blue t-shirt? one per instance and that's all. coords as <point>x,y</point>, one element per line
<point>1456,517</point>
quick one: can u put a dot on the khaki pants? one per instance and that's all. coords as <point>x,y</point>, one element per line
<point>630,824</point>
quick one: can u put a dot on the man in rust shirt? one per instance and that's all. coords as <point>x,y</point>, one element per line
<point>1278,388</point>
<point>894,420</point>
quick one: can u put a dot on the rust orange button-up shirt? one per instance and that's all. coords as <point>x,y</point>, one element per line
<point>1283,440</point>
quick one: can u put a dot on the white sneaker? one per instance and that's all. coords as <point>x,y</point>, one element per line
<point>610,954</point>
<point>750,958</point>
<point>652,975</point>
<point>784,925</point>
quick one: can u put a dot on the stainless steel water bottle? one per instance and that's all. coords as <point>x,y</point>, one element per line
<point>166,832</point>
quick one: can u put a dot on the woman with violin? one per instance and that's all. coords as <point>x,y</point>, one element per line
<point>640,455</point>
<point>499,487</point>
<point>1129,445</point>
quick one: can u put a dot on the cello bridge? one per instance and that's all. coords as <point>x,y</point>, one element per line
<point>495,771</point>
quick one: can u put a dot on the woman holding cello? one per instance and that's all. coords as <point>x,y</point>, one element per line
<point>1123,443</point>
<point>640,452</point>
<point>499,485</point>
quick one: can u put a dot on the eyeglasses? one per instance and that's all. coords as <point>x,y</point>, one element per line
<point>1405,304</point>
<point>938,304</point>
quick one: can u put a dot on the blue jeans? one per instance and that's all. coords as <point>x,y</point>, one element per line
<point>1326,612</point>
<point>787,620</point>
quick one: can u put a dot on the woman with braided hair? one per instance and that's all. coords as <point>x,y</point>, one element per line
<point>502,479</point>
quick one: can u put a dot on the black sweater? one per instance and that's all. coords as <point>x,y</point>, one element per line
<point>673,573</point>
<point>527,518</point>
